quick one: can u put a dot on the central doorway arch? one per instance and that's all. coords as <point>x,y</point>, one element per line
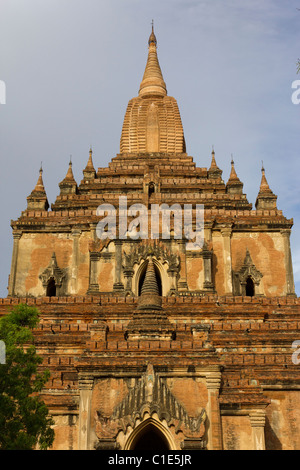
<point>150,438</point>
<point>150,435</point>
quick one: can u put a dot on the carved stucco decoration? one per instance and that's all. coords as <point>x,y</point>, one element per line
<point>53,271</point>
<point>153,248</point>
<point>249,270</point>
<point>150,396</point>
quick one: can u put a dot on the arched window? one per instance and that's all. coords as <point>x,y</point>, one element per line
<point>151,189</point>
<point>250,290</point>
<point>150,438</point>
<point>51,288</point>
<point>247,281</point>
<point>142,278</point>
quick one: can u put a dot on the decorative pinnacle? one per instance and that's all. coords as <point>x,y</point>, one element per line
<point>149,298</point>
<point>90,166</point>
<point>152,38</point>
<point>150,283</point>
<point>69,176</point>
<point>233,177</point>
<point>40,184</point>
<point>233,172</point>
<point>213,159</point>
<point>153,83</point>
<point>266,199</point>
<point>264,185</point>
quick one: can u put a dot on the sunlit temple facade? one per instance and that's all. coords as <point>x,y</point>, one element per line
<point>151,345</point>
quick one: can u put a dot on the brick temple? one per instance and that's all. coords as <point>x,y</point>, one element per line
<point>151,345</point>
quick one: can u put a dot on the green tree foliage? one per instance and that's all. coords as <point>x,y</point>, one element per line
<point>24,417</point>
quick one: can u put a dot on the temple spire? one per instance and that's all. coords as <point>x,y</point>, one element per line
<point>153,82</point>
<point>150,321</point>
<point>266,199</point>
<point>264,185</point>
<point>150,282</point>
<point>89,171</point>
<point>69,175</point>
<point>40,183</point>
<point>214,171</point>
<point>150,298</point>
<point>68,185</point>
<point>38,198</point>
<point>234,184</point>
<point>152,38</point>
<point>152,122</point>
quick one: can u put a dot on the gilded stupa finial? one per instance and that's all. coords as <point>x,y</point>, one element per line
<point>153,83</point>
<point>152,38</point>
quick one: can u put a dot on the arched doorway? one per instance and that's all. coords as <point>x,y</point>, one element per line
<point>150,435</point>
<point>151,189</point>
<point>150,439</point>
<point>51,288</point>
<point>250,290</point>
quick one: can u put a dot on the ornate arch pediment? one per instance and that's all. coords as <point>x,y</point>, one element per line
<point>249,270</point>
<point>153,248</point>
<point>151,396</point>
<point>53,272</point>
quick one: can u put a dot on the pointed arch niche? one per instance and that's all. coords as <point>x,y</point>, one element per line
<point>53,279</point>
<point>166,266</point>
<point>247,281</point>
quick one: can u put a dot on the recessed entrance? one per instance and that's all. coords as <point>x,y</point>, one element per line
<point>151,189</point>
<point>150,438</point>
<point>250,287</point>
<point>51,288</point>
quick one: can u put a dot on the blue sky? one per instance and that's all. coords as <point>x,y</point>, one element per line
<point>71,66</point>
